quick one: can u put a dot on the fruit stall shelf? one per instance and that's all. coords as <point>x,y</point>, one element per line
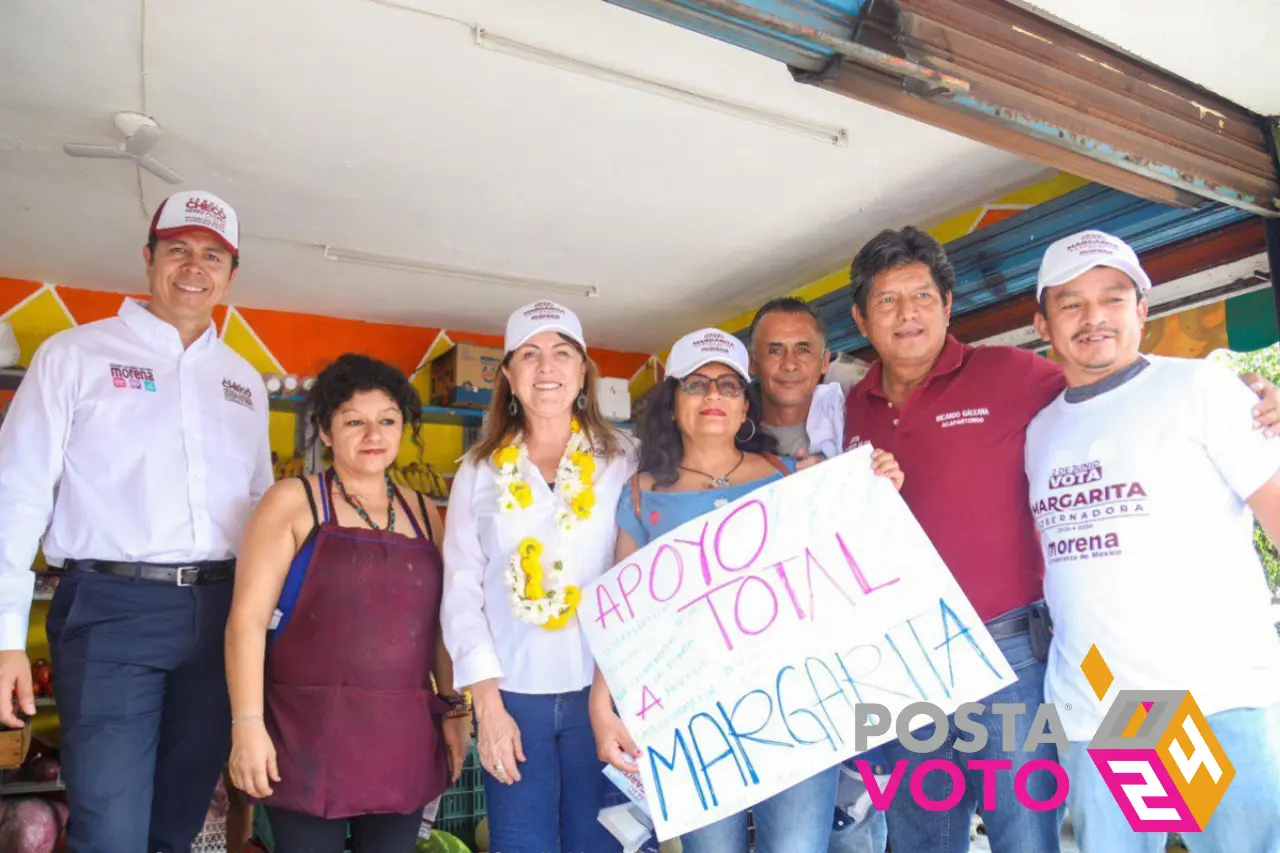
<point>10,378</point>
<point>13,789</point>
<point>448,416</point>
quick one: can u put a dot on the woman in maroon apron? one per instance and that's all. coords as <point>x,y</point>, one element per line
<point>333,637</point>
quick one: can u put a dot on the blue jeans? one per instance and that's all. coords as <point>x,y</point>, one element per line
<point>849,833</point>
<point>1246,821</point>
<point>554,808</point>
<point>797,820</point>
<point>1011,827</point>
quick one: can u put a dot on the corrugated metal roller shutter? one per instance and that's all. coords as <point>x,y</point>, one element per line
<point>994,72</point>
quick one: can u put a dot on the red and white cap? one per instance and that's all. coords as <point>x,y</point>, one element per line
<point>193,210</point>
<point>1074,256</point>
<point>707,346</point>
<point>542,316</point>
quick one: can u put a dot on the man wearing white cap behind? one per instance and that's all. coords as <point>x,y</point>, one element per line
<point>1145,478</point>
<point>136,447</point>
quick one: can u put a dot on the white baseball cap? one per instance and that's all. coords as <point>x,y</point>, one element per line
<point>1075,255</point>
<point>542,316</point>
<point>197,210</point>
<point>704,347</point>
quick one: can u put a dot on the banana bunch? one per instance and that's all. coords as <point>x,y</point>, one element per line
<point>295,466</point>
<point>420,477</point>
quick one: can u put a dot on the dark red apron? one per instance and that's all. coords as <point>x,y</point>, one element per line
<point>349,704</point>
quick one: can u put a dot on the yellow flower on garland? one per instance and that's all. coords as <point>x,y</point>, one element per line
<point>586,466</point>
<point>536,593</point>
<point>572,595</point>
<point>522,493</point>
<point>583,503</point>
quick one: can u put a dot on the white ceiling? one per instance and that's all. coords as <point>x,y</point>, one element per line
<point>1231,47</point>
<point>371,126</point>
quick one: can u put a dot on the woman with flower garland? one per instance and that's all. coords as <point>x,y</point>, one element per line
<point>701,447</point>
<point>530,522</point>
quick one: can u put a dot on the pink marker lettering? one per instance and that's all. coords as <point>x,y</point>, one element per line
<point>626,593</point>
<point>701,545</point>
<point>737,605</point>
<point>786,583</point>
<point>736,540</point>
<point>602,593</point>
<point>858,576</point>
<point>653,573</point>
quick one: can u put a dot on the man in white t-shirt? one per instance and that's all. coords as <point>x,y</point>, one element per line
<point>1145,477</point>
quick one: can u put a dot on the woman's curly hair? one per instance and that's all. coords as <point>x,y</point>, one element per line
<point>351,374</point>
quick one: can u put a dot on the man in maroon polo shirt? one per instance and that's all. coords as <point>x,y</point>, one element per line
<point>955,417</point>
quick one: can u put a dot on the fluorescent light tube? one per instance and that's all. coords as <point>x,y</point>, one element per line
<point>349,256</point>
<point>830,134</point>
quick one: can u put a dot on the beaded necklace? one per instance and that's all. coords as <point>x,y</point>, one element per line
<point>391,503</point>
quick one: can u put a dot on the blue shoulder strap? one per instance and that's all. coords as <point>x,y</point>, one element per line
<point>298,567</point>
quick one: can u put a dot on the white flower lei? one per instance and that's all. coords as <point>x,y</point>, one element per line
<point>575,501</point>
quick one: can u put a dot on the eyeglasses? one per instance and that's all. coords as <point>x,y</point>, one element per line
<point>697,385</point>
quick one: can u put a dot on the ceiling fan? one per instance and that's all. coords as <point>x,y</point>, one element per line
<point>141,134</point>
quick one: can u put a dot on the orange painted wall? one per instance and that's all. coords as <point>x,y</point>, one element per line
<point>282,341</point>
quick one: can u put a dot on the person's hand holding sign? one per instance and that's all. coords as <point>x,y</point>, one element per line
<point>883,463</point>
<point>613,742</point>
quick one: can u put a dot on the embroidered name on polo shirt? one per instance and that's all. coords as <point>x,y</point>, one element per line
<point>138,378</point>
<point>963,417</point>
<point>855,441</point>
<point>237,393</point>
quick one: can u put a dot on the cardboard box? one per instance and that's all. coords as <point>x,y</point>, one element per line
<point>615,398</point>
<point>463,377</point>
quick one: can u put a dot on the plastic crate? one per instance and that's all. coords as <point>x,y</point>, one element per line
<point>213,838</point>
<point>462,807</point>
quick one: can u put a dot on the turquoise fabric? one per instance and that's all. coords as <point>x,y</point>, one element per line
<point>662,512</point>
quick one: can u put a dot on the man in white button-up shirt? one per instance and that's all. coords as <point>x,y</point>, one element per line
<point>136,448</point>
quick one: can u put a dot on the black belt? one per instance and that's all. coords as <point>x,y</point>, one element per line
<point>1011,627</point>
<point>177,574</point>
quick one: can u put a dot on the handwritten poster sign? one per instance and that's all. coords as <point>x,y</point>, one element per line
<point>738,645</point>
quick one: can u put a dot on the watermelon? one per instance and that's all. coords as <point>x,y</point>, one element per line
<point>30,826</point>
<point>440,842</point>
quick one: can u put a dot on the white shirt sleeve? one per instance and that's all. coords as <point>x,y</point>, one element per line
<point>466,627</point>
<point>1246,458</point>
<point>33,442</point>
<point>264,475</point>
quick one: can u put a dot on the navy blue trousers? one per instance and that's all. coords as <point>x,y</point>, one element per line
<point>142,694</point>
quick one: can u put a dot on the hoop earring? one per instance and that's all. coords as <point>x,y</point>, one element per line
<point>513,408</point>
<point>753,432</point>
<point>581,402</point>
